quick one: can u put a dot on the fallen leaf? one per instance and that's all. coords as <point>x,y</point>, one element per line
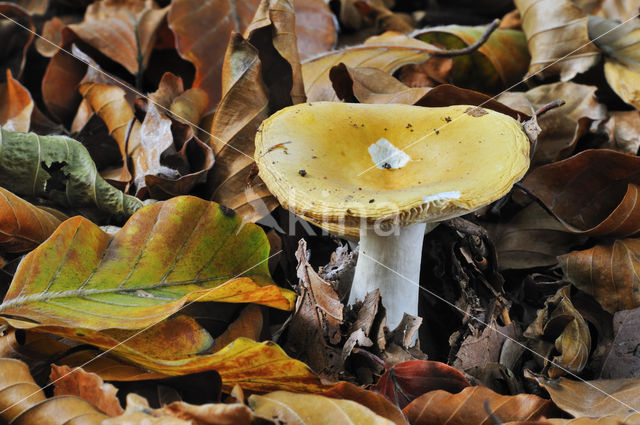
<point>485,347</point>
<point>563,126</point>
<point>309,409</point>
<point>208,414</point>
<point>242,109</point>
<point>51,39</point>
<point>83,273</point>
<point>16,105</point>
<point>594,399</point>
<point>559,321</point>
<point>59,169</point>
<point>592,193</point>
<point>248,325</point>
<point>499,63</point>
<point>372,400</point>
<point>406,381</point>
<point>315,27</point>
<point>607,272</point>
<point>23,226</point>
<point>122,30</point>
<point>467,407</point>
<point>88,386</point>
<point>386,52</point>
<point>620,44</point>
<point>624,131</point>
<point>34,7</point>
<point>621,361</point>
<point>632,419</point>
<point>557,38</point>
<point>532,238</point>
<point>18,40</point>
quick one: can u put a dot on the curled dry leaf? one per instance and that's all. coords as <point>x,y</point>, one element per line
<point>621,44</point>
<point>556,30</point>
<point>596,399</point>
<point>563,126</point>
<point>59,169</point>
<point>51,39</point>
<point>624,131</point>
<point>386,52</point>
<point>406,381</point>
<point>593,193</point>
<point>499,63</point>
<point>559,321</point>
<point>242,109</point>
<point>23,226</point>
<point>122,30</point>
<point>467,407</point>
<point>16,105</point>
<point>87,386</point>
<point>83,277</point>
<point>208,414</point>
<point>309,409</point>
<point>607,272</point>
<point>532,238</point>
<point>22,402</point>
<point>14,51</point>
<point>379,404</point>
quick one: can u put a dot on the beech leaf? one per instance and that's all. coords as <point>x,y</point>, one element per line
<point>83,277</point>
<point>16,105</point>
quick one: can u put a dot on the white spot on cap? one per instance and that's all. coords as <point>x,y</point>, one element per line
<point>386,156</point>
<point>442,196</point>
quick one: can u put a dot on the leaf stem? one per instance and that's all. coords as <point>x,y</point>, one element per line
<point>471,48</point>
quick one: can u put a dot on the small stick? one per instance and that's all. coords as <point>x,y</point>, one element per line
<point>469,49</point>
<point>549,106</point>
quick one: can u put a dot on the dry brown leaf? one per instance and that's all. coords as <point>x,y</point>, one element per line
<point>17,39</point>
<point>248,325</point>
<point>88,386</point>
<point>621,361</point>
<point>532,238</point>
<point>467,407</point>
<point>23,226</point>
<point>559,321</point>
<point>315,27</point>
<point>632,419</point>
<point>51,39</point>
<point>594,192</point>
<point>308,409</point>
<point>624,131</point>
<point>557,31</point>
<point>208,414</point>
<point>387,52</point>
<point>484,347</point>
<point>563,126</point>
<point>379,404</point>
<point>596,399</point>
<point>608,272</point>
<point>122,30</point>
<point>16,105</point>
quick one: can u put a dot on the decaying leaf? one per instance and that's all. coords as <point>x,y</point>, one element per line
<point>467,407</point>
<point>608,272</point>
<point>14,52</point>
<point>309,409</point>
<point>557,38</point>
<point>594,399</point>
<point>406,381</point>
<point>60,170</point>
<point>563,126</point>
<point>23,226</point>
<point>621,360</point>
<point>123,30</point>
<point>83,277</point>
<point>497,64</point>
<point>623,130</point>
<point>482,348</point>
<point>379,404</point>
<point>594,192</point>
<point>315,27</point>
<point>387,52</point>
<point>559,321</point>
<point>16,105</point>
<point>88,386</point>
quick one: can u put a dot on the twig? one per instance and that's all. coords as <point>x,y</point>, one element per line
<point>549,106</point>
<point>469,49</point>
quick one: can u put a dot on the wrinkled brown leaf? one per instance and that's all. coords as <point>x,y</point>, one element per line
<point>624,131</point>
<point>88,386</point>
<point>594,192</point>
<point>559,321</point>
<point>372,400</point>
<point>479,350</point>
<point>16,105</point>
<point>595,399</point>
<point>555,29</point>
<point>621,360</point>
<point>467,407</point>
<point>208,414</point>
<point>123,30</point>
<point>563,126</point>
<point>608,272</point>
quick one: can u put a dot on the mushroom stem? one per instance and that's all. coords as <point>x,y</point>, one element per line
<point>390,263</point>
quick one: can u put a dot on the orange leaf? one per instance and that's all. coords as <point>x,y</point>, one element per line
<point>16,105</point>
<point>374,401</point>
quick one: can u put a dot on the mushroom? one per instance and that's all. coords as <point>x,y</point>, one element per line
<point>387,174</point>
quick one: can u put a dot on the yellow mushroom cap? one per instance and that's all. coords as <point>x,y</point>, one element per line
<point>315,158</point>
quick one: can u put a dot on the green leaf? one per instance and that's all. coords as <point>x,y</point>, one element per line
<point>59,169</point>
<point>168,253</point>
